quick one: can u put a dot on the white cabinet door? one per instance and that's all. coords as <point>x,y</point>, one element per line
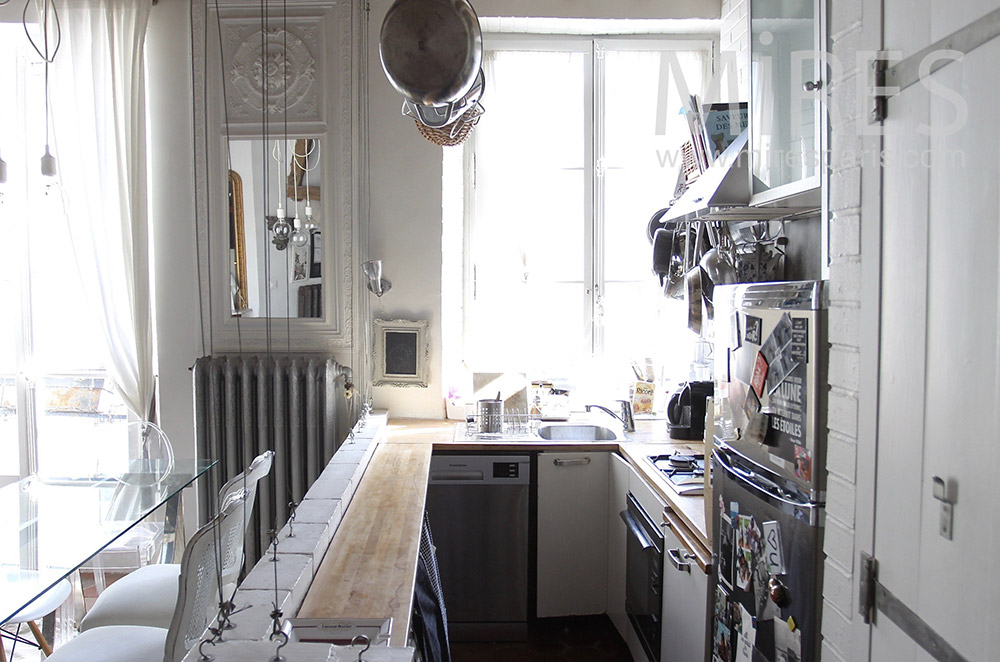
<point>572,533</point>
<point>622,479</point>
<point>618,479</point>
<point>685,603</point>
<point>650,501</point>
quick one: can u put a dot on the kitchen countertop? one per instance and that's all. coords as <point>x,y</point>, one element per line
<point>369,569</point>
<point>649,438</point>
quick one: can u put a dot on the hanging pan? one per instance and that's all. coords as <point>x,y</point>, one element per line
<point>431,50</point>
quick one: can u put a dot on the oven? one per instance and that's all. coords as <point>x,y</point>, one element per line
<point>643,576</point>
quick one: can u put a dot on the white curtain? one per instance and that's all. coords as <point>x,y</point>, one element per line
<point>99,140</point>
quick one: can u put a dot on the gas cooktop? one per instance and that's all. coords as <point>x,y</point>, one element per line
<point>684,471</point>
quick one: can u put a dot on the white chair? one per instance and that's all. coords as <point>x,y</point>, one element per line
<point>147,596</point>
<point>140,545</point>
<point>36,610</point>
<point>195,609</point>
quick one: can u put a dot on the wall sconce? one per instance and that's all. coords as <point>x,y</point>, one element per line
<point>376,284</point>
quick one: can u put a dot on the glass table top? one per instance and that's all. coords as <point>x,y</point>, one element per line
<point>49,527</point>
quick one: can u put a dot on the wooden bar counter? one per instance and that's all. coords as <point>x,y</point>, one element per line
<point>370,568</point>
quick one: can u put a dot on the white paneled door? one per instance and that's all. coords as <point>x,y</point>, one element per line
<point>939,393</point>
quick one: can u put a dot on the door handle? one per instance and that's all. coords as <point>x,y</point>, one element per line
<point>945,492</point>
<point>680,563</point>
<point>635,530</point>
<point>456,475</point>
<point>560,462</point>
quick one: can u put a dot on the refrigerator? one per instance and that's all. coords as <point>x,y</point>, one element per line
<point>768,471</point>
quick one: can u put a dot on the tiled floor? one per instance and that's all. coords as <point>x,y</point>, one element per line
<point>576,639</point>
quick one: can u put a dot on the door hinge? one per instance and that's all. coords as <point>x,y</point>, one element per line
<point>880,100</point>
<point>866,599</point>
<point>888,81</point>
<point>875,597</point>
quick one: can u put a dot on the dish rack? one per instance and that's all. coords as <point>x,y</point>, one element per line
<point>517,424</point>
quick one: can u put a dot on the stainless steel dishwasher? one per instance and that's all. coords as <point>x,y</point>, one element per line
<point>478,510</point>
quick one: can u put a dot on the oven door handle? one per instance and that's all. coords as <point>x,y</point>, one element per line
<point>636,530</point>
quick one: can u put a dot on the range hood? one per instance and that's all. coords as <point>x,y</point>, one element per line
<point>722,192</point>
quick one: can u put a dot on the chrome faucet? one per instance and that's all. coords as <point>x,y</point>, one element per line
<point>625,418</point>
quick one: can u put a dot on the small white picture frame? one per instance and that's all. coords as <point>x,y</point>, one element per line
<point>402,353</point>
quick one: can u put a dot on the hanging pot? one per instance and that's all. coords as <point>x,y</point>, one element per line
<point>431,50</point>
<point>438,117</point>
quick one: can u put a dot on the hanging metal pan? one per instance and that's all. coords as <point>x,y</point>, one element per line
<point>431,50</point>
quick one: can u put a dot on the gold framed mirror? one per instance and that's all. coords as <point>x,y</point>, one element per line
<point>237,245</point>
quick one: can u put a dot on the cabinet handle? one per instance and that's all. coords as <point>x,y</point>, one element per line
<point>559,462</point>
<point>680,563</point>
<point>812,85</point>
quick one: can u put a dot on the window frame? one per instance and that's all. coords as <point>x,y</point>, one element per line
<point>16,195</point>
<point>592,46</point>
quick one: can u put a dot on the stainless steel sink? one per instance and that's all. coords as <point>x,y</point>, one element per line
<point>576,433</point>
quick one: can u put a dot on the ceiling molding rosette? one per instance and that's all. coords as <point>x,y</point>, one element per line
<point>286,80</point>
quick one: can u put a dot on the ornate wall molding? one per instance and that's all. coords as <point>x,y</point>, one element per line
<point>288,81</point>
<point>314,47</point>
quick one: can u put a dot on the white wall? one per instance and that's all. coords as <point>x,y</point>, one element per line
<point>171,213</point>
<point>854,204</point>
<point>405,216</point>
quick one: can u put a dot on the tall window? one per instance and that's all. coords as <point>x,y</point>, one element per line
<point>58,413</point>
<point>578,148</point>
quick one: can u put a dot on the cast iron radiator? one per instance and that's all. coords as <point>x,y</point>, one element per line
<point>245,405</point>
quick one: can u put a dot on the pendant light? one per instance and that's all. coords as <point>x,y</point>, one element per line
<point>48,162</point>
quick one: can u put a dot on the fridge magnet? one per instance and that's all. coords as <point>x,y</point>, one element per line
<point>742,555</point>
<point>803,463</point>
<point>720,646</point>
<point>721,605</point>
<point>787,646</point>
<point>726,551</point>
<point>747,626</point>
<point>799,349</point>
<point>755,537</point>
<point>755,431</point>
<point>734,330</point>
<point>760,366</point>
<point>764,607</point>
<point>777,349</point>
<point>754,327</point>
<point>773,555</point>
<point>751,406</point>
<point>745,638</point>
<point>787,403</point>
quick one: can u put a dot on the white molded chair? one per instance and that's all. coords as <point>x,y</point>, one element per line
<point>195,609</point>
<point>147,596</point>
<point>36,610</point>
<point>140,545</point>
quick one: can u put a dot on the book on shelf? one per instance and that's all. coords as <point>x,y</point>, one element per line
<point>721,124</point>
<point>697,129</point>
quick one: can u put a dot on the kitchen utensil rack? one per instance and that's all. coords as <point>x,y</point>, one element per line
<point>517,424</point>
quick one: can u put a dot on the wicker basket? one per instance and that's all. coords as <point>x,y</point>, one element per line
<point>455,133</point>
